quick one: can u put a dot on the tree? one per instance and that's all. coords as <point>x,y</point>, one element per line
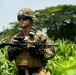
<point>60,21</point>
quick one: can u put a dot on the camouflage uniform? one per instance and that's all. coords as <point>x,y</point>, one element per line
<point>29,61</point>
<point>25,59</point>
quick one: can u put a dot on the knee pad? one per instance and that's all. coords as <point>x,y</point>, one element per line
<point>44,71</point>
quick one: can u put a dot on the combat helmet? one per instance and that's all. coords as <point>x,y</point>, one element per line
<point>27,12</point>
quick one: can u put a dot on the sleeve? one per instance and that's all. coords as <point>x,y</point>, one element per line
<point>48,51</point>
<point>12,52</point>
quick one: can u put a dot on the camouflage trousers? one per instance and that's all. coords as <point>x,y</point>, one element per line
<point>33,71</point>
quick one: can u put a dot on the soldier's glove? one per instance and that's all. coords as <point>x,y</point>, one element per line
<point>13,52</point>
<point>33,51</point>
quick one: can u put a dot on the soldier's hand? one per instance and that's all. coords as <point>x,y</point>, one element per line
<point>33,51</point>
<point>13,52</point>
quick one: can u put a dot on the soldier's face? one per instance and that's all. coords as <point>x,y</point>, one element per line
<point>24,21</point>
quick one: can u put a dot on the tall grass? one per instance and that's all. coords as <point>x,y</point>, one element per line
<point>6,67</point>
<point>65,59</point>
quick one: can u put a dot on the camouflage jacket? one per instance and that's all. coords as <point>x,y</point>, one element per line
<point>49,52</point>
<point>25,59</point>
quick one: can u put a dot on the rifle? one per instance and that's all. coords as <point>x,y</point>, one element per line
<point>22,44</point>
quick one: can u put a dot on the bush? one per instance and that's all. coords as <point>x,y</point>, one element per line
<point>65,58</point>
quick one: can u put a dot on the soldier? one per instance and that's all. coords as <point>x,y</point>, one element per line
<point>33,60</point>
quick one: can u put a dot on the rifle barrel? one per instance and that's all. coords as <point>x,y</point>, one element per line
<point>5,43</point>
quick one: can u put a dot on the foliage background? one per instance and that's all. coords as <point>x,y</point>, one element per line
<point>59,23</point>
